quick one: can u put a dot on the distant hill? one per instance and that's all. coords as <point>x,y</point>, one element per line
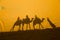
<point>45,34</point>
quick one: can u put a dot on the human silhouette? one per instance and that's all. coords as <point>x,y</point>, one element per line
<point>51,23</point>
<point>17,23</point>
<point>37,21</point>
<point>26,21</point>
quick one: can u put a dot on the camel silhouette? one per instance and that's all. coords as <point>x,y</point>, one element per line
<point>51,23</point>
<point>37,21</point>
<point>26,21</point>
<point>17,23</point>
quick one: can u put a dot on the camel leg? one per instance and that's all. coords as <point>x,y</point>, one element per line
<point>22,26</point>
<point>29,26</point>
<point>12,28</point>
<point>41,25</point>
<point>34,26</point>
<point>19,27</point>
<point>26,26</point>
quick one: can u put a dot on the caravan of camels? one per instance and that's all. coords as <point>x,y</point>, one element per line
<point>27,21</point>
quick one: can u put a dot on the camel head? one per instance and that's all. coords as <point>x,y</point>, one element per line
<point>31,19</point>
<point>43,19</point>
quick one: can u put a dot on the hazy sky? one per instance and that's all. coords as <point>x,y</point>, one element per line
<point>42,8</point>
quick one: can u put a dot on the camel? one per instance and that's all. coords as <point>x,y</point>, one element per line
<point>26,21</point>
<point>37,21</point>
<point>17,23</point>
<point>52,24</point>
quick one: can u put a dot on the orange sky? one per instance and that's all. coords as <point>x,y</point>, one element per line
<point>41,8</point>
